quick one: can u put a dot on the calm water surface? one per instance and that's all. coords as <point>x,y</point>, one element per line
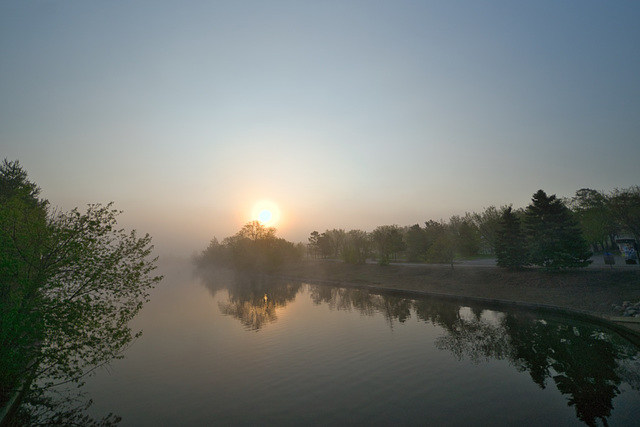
<point>242,351</point>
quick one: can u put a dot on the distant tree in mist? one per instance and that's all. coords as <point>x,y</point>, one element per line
<point>253,248</point>
<point>440,242</point>
<point>416,243</point>
<point>356,247</point>
<point>388,240</point>
<point>466,236</point>
<point>555,238</point>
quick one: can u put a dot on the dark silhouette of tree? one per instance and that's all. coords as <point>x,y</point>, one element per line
<point>553,236</point>
<point>254,248</point>
<point>510,241</point>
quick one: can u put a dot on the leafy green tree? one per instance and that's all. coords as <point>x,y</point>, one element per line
<point>554,237</point>
<point>23,238</point>
<point>510,241</point>
<point>70,283</point>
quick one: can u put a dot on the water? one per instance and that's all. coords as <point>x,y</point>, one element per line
<point>225,351</point>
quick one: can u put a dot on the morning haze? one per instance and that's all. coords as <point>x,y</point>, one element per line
<point>326,137</point>
<point>347,115</point>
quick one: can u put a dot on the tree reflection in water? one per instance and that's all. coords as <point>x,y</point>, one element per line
<point>253,299</point>
<point>585,362</point>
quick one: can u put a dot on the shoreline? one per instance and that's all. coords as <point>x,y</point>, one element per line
<point>592,292</point>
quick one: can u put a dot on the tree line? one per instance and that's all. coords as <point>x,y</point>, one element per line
<point>69,284</point>
<point>550,232</point>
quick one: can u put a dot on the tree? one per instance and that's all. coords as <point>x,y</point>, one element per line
<point>440,242</point>
<point>71,282</point>
<point>488,224</point>
<point>356,248</point>
<point>554,238</point>
<point>313,246</point>
<point>510,241</point>
<point>254,248</point>
<point>594,215</point>
<point>416,243</point>
<point>23,238</point>
<point>335,240</point>
<point>465,234</point>
<point>625,206</point>
<point>256,231</point>
<point>388,240</point>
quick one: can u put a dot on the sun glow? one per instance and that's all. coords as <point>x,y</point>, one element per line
<point>266,212</point>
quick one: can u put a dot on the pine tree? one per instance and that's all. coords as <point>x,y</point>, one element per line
<point>553,235</point>
<point>510,241</point>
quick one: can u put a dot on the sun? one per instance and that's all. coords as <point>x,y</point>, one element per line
<point>265,216</point>
<point>267,212</point>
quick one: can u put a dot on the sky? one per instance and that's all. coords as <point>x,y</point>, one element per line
<point>341,114</point>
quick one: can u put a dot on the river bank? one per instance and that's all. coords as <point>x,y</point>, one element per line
<point>596,291</point>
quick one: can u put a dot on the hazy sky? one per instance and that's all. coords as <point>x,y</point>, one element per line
<point>346,114</point>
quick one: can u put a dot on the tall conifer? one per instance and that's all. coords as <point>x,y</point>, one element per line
<point>510,242</point>
<point>553,235</point>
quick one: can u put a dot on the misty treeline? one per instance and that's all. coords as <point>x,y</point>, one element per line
<point>253,248</point>
<point>549,232</point>
<point>70,282</point>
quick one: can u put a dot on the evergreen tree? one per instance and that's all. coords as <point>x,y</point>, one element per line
<point>553,235</point>
<point>510,241</point>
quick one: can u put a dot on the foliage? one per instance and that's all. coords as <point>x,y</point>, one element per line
<point>440,242</point>
<point>488,223</point>
<point>388,241</point>
<point>625,208</point>
<point>553,236</point>
<point>253,248</point>
<point>356,248</point>
<point>510,241</point>
<point>465,235</point>
<point>593,211</point>
<point>23,237</point>
<point>71,282</point>
<point>416,243</point>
